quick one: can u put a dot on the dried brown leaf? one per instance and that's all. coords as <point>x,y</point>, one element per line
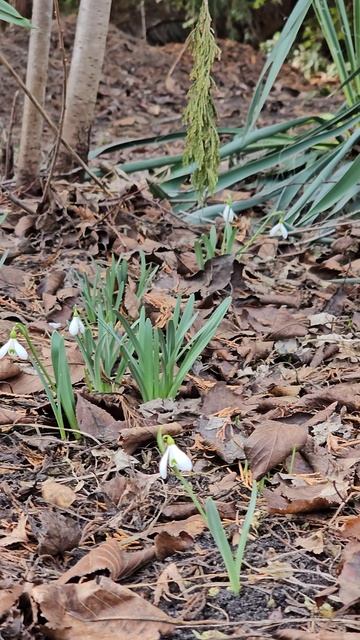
<point>98,609</point>
<point>223,396</point>
<point>271,443</point>
<point>57,533</point>
<point>343,393</point>
<point>96,421</point>
<point>313,543</point>
<point>166,544</point>
<point>351,528</point>
<point>170,574</point>
<point>193,526</point>
<point>8,597</point>
<point>111,559</point>
<point>51,283</point>
<point>17,535</point>
<point>26,382</point>
<point>60,495</point>
<point>349,578</point>
<point>8,369</point>
<point>305,498</point>
<point>134,437</point>
<point>221,436</point>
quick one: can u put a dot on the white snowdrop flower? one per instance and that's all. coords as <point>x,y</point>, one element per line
<point>279,229</point>
<point>76,326</point>
<point>228,214</point>
<point>174,457</point>
<point>13,348</point>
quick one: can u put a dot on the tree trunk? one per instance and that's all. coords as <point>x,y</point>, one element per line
<point>29,161</point>
<point>84,77</point>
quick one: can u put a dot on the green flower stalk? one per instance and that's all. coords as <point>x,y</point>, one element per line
<point>177,461</point>
<point>202,140</point>
<point>59,389</point>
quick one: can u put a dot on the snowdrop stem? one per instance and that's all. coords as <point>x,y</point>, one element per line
<point>191,493</point>
<point>35,356</point>
<point>257,233</point>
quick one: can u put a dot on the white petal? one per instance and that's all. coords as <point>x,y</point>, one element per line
<point>284,231</point>
<point>275,230</point>
<point>228,213</point>
<point>4,349</point>
<point>178,457</point>
<point>54,325</point>
<point>81,326</point>
<point>279,229</point>
<point>20,351</point>
<point>163,464</point>
<point>76,326</point>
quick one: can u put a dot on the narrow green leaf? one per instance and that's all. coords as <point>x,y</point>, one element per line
<point>221,541</point>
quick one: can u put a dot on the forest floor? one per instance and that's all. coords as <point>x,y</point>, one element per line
<point>93,544</point>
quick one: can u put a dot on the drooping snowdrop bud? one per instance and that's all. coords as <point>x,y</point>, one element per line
<point>173,457</point>
<point>279,229</point>
<point>13,348</point>
<point>76,326</point>
<point>228,213</point>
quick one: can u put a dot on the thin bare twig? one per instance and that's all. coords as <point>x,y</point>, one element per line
<point>177,59</point>
<point>52,125</point>
<point>63,103</point>
<point>143,19</point>
<point>17,201</point>
<point>9,137</point>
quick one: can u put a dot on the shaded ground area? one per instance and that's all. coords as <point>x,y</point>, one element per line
<point>284,365</point>
<point>92,542</point>
<point>137,97</point>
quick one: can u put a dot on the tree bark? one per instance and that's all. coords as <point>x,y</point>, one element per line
<point>84,77</point>
<point>29,160</point>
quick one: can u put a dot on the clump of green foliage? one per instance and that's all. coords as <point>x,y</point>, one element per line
<point>202,139</point>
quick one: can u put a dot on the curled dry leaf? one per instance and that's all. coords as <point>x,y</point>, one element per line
<point>313,543</point>
<point>193,526</point>
<point>18,534</point>
<point>8,369</point>
<point>349,578</point>
<point>97,610</point>
<point>57,494</point>
<point>166,544</point>
<point>271,443</point>
<point>134,437</point>
<point>170,574</point>
<point>111,559</point>
<point>300,497</point>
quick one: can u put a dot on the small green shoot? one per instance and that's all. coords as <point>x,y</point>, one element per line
<point>206,246</point>
<point>107,289</point>
<point>232,561</point>
<point>159,360</point>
